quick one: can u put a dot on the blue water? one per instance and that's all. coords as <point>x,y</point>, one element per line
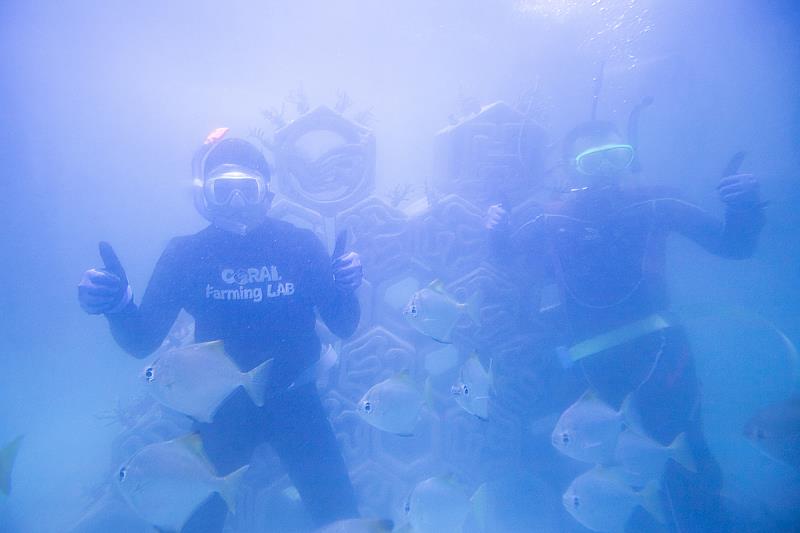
<point>104,103</point>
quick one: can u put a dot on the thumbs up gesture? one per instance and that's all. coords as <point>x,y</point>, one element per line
<point>105,290</point>
<point>347,269</point>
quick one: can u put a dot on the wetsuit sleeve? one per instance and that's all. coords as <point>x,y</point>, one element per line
<point>736,237</point>
<point>340,310</point>
<point>141,329</point>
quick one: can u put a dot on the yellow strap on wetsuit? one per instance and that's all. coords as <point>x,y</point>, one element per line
<point>615,337</point>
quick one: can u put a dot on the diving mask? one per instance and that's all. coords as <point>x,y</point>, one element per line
<point>604,159</point>
<point>222,186</point>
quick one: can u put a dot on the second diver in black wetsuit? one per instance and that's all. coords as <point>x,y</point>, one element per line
<point>254,282</point>
<point>603,247</point>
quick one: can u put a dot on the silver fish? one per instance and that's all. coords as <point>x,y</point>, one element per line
<point>588,429</point>
<point>474,387</point>
<point>436,505</point>
<point>602,500</point>
<point>775,430</point>
<point>165,482</point>
<point>434,312</point>
<point>641,455</point>
<point>195,379</point>
<point>358,525</point>
<point>393,405</point>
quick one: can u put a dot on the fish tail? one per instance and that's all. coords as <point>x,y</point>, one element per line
<point>651,500</point>
<point>630,415</point>
<point>7,457</point>
<point>682,454</point>
<point>231,484</point>
<point>473,308</point>
<point>257,381</point>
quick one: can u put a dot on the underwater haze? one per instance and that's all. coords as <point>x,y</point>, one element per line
<point>660,340</point>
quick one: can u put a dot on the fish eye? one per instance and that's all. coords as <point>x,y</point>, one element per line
<point>413,310</point>
<point>576,502</point>
<point>407,506</point>
<point>367,407</point>
<point>149,373</point>
<point>465,390</point>
<point>565,438</point>
<point>123,473</point>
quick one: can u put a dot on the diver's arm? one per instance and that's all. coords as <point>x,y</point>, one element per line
<point>339,308</point>
<point>735,237</point>
<point>140,330</point>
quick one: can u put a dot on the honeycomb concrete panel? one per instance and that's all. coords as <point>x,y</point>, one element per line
<point>495,155</point>
<point>325,161</point>
<point>380,235</point>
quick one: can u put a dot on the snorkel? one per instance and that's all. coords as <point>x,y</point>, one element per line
<point>601,163</point>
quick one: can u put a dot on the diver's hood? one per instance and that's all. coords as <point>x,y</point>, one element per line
<point>216,151</point>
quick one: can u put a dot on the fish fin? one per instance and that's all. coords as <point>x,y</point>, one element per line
<point>204,417</point>
<point>7,457</point>
<point>440,341</point>
<point>194,443</point>
<point>651,500</point>
<point>479,501</point>
<point>589,396</point>
<point>326,361</point>
<point>438,286</point>
<point>230,487</point>
<point>473,308</point>
<point>630,415</point>
<point>292,493</point>
<point>404,434</point>
<point>682,454</point>
<point>217,346</point>
<point>257,381</point>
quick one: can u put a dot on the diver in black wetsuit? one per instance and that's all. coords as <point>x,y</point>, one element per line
<point>254,282</point>
<point>603,247</point>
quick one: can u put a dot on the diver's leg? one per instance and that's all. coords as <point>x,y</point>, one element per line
<point>300,433</point>
<point>228,443</point>
<point>669,402</point>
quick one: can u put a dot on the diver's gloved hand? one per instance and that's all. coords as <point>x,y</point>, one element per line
<point>347,272</point>
<point>496,218</point>
<point>739,191</point>
<point>105,290</point>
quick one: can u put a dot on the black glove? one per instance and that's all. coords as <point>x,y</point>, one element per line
<point>739,191</point>
<point>105,290</point>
